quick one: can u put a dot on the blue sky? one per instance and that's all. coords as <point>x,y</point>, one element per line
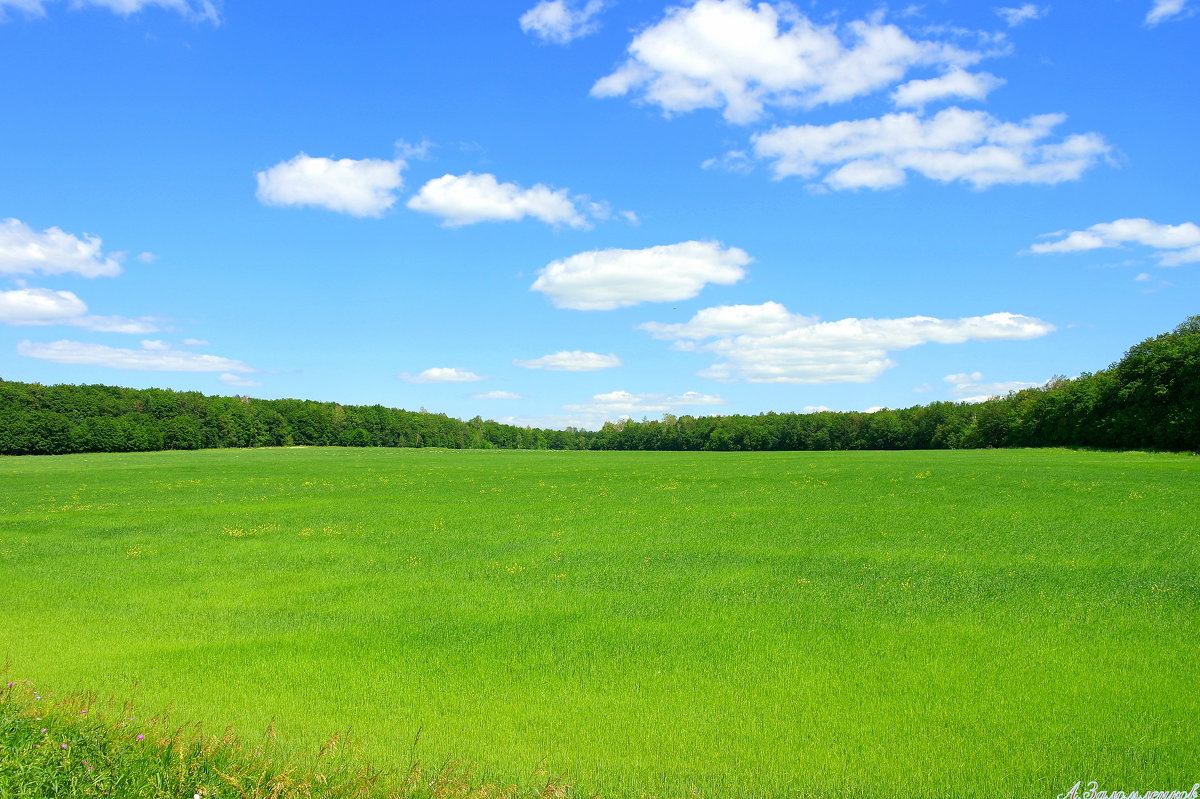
<point>559,213</point>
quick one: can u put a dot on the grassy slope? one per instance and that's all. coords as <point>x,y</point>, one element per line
<point>999,623</point>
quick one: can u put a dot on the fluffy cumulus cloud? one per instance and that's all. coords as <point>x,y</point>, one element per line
<point>470,198</point>
<point>571,361</point>
<point>25,251</point>
<point>1164,10</point>
<point>1021,14</point>
<point>1176,244</point>
<point>601,280</point>
<point>497,395</point>
<point>954,145</point>
<point>154,356</point>
<point>624,403</point>
<point>201,10</point>
<point>956,84</point>
<point>39,307</point>
<point>359,187</point>
<point>29,306</point>
<point>442,374</point>
<point>971,388</point>
<point>742,58</point>
<point>768,344</point>
<point>562,21</point>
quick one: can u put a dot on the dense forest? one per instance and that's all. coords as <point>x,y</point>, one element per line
<point>1150,399</point>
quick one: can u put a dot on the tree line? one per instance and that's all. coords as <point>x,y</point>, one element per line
<point>1150,399</point>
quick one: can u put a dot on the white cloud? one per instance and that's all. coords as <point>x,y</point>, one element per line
<point>363,187</point>
<point>419,151</point>
<point>1164,10</point>
<point>571,361</point>
<point>1142,277</point>
<point>971,388</point>
<point>957,83</point>
<point>195,342</point>
<point>767,344</point>
<point>201,11</point>
<point>767,319</point>
<point>499,395</point>
<point>601,280</point>
<point>1020,14</point>
<point>470,198</point>
<point>147,257</point>
<point>623,402</point>
<point>736,161</point>
<point>34,8</point>
<point>117,324</point>
<point>561,21</point>
<point>953,145</point>
<point>39,307</point>
<point>145,359</point>
<point>557,421</point>
<point>235,380</point>
<point>28,306</point>
<point>742,58</point>
<point>24,251</point>
<point>442,374</point>
<point>1178,244</point>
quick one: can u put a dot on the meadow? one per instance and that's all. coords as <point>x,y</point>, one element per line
<point>999,623</point>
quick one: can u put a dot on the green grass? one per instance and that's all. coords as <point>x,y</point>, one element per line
<point>917,624</point>
<point>76,747</point>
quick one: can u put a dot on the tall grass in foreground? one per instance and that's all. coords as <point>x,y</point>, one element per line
<point>75,747</point>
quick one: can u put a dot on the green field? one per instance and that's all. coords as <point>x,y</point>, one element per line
<point>917,624</point>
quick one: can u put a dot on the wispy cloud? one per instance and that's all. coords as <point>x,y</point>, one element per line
<point>769,344</point>
<point>625,403</point>
<point>199,11</point>
<point>1021,14</point>
<point>230,379</point>
<point>1164,10</point>
<point>971,388</point>
<point>1175,244</point>
<point>571,361</point>
<point>442,374</point>
<point>562,21</point>
<point>151,357</point>
<point>955,145</point>
<point>33,306</point>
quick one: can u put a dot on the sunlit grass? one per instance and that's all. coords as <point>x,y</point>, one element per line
<point>79,747</point>
<point>1001,623</point>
